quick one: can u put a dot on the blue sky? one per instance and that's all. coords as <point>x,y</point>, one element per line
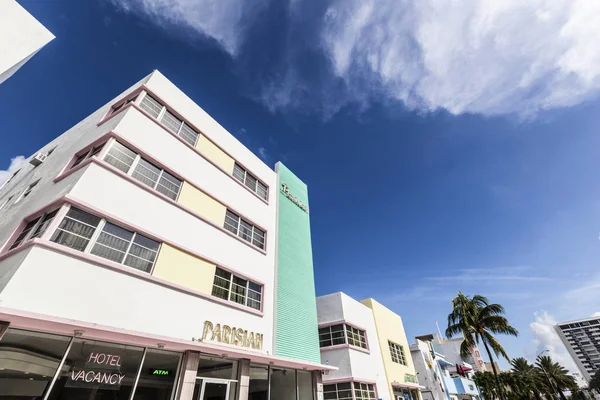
<point>446,146</point>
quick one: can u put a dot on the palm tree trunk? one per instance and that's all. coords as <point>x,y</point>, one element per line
<point>500,391</point>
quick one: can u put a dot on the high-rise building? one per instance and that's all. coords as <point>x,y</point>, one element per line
<point>21,36</point>
<point>147,254</point>
<point>582,340</point>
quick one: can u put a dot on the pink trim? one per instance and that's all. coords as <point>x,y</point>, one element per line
<point>88,207</point>
<point>148,189</point>
<point>110,168</point>
<point>344,321</point>
<point>348,379</point>
<point>4,249</point>
<point>164,103</point>
<point>102,262</point>
<point>345,346</point>
<point>21,319</point>
<point>67,199</point>
<point>108,115</point>
<point>339,322</point>
<point>179,176</point>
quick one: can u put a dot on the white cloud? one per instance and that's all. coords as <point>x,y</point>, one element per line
<point>596,314</point>
<point>15,163</point>
<point>262,152</point>
<point>222,20</point>
<point>489,56</point>
<point>546,338</point>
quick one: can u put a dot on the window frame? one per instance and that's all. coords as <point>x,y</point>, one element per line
<point>132,169</point>
<point>164,110</point>
<point>370,388</point>
<point>93,150</point>
<point>238,231</point>
<point>398,357</point>
<point>242,170</point>
<point>25,193</point>
<point>98,230</point>
<point>338,390</point>
<point>346,327</point>
<point>8,199</point>
<point>11,178</point>
<point>39,220</point>
<point>231,293</point>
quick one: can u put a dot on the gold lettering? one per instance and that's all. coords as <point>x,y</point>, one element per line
<point>245,339</point>
<point>238,337</point>
<point>226,333</point>
<point>258,341</point>
<point>251,340</point>
<point>208,327</point>
<point>216,333</point>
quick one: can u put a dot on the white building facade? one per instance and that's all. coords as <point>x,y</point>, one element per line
<point>348,340</point>
<point>139,257</point>
<point>440,377</point>
<point>582,340</point>
<point>21,37</point>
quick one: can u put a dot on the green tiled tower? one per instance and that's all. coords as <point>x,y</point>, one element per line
<point>296,326</point>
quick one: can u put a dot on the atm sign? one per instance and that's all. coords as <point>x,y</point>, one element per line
<point>160,372</point>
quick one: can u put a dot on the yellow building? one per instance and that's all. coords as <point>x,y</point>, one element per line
<point>395,353</point>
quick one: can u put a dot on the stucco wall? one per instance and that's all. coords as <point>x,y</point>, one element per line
<point>21,36</point>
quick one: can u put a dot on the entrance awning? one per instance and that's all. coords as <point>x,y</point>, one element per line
<point>407,385</point>
<point>62,326</point>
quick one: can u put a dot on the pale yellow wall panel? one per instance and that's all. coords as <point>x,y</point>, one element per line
<point>202,204</point>
<point>390,327</point>
<point>183,269</point>
<point>214,154</point>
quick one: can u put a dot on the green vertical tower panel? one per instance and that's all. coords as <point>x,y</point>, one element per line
<point>296,326</point>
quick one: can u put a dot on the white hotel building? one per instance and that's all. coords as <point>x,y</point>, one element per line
<point>582,340</point>
<point>21,37</point>
<point>147,254</point>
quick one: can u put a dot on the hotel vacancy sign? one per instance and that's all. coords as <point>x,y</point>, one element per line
<point>285,189</point>
<point>221,333</point>
<point>99,370</point>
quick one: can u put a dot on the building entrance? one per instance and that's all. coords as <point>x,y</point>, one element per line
<point>213,389</point>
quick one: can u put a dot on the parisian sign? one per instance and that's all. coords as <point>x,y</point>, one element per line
<point>231,335</point>
<point>285,189</point>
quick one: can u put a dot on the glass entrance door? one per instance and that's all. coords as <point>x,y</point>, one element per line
<point>214,389</point>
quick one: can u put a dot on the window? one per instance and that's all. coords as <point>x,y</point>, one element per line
<point>87,154</point>
<point>112,242</point>
<point>123,104</point>
<point>239,290</point>
<point>397,353</point>
<point>356,337</point>
<point>27,191</point>
<point>142,170</point>
<point>338,391</point>
<point>10,179</point>
<point>342,334</point>
<point>363,391</point>
<point>244,229</point>
<point>170,120</point>
<point>250,181</point>
<point>6,202</point>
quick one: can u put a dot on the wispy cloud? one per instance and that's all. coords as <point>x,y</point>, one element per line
<point>222,20</point>
<point>489,57</point>
<point>545,339</point>
<point>15,164</point>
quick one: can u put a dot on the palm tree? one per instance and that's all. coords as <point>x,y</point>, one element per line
<point>477,320</point>
<point>526,378</point>
<point>595,381</point>
<point>485,383</point>
<point>556,376</point>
